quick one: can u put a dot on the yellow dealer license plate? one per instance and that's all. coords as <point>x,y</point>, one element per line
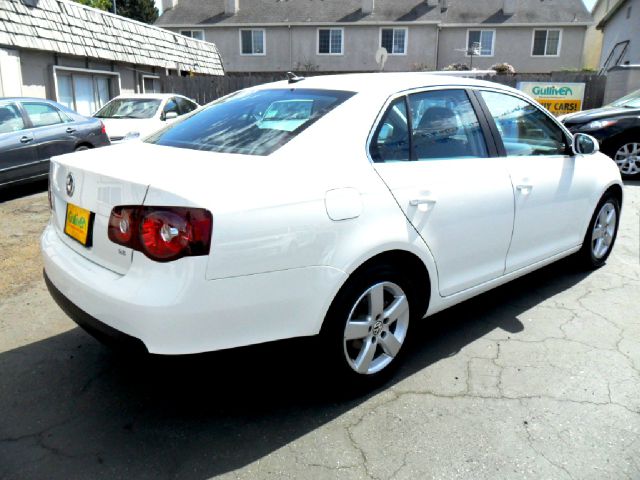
<point>77,224</point>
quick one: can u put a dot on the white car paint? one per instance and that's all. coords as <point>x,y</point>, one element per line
<point>289,228</point>
<point>119,128</point>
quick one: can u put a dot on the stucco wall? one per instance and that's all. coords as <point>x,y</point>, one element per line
<point>620,28</point>
<point>293,48</point>
<point>513,45</point>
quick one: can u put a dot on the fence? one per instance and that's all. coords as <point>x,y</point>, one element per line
<point>205,89</point>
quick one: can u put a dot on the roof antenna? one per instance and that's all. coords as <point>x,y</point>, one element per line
<point>293,78</point>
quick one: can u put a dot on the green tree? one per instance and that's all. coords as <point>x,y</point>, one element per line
<point>142,10</point>
<point>100,4</point>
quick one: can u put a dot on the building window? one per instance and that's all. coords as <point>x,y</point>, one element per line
<point>394,40</point>
<point>481,42</point>
<point>546,43</point>
<point>330,41</point>
<point>252,42</point>
<point>197,34</point>
<point>150,84</point>
<point>84,91</point>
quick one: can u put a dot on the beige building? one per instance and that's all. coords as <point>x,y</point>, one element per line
<point>82,57</point>
<point>348,35</point>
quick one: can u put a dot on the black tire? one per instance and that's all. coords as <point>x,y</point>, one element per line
<point>339,353</point>
<point>81,148</point>
<point>586,257</point>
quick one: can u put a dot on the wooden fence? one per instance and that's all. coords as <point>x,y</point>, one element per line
<point>206,89</point>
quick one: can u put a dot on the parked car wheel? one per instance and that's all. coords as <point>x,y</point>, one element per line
<point>367,325</point>
<point>81,148</point>
<point>601,234</point>
<point>627,157</point>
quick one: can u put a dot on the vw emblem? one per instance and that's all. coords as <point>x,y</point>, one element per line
<point>70,185</point>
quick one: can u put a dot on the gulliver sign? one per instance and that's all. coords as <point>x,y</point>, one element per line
<point>558,98</point>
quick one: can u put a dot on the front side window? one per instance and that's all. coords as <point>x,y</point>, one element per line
<point>481,42</point>
<point>171,106</point>
<point>546,43</point>
<point>129,108</point>
<point>43,114</point>
<point>394,40</point>
<point>251,122</point>
<point>252,42</point>
<point>524,128</point>
<point>444,125</point>
<point>185,105</point>
<point>10,118</point>
<point>197,34</point>
<point>330,41</point>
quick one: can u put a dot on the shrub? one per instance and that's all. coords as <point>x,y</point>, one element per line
<point>503,69</point>
<point>456,67</point>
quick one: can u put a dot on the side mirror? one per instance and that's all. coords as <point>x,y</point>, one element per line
<point>584,144</point>
<point>170,115</point>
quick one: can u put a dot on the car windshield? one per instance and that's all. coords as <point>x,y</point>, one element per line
<point>129,108</point>
<point>251,122</point>
<point>629,101</point>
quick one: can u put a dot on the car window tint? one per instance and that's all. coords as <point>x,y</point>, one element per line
<point>251,122</point>
<point>185,105</point>
<point>524,128</point>
<point>444,125</point>
<point>42,114</point>
<point>171,106</point>
<point>10,119</point>
<point>390,142</point>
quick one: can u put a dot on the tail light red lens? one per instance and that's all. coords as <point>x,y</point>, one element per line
<point>163,234</point>
<point>103,129</point>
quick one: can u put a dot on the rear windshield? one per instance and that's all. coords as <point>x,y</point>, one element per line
<point>251,122</point>
<point>129,108</point>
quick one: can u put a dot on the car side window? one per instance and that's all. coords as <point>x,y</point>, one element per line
<point>171,106</point>
<point>185,105</point>
<point>390,141</point>
<point>524,128</point>
<point>444,125</point>
<point>43,114</point>
<point>10,118</point>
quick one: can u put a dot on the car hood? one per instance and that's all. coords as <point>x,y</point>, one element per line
<point>597,114</point>
<point>120,127</point>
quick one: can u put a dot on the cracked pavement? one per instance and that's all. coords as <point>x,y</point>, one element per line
<point>538,379</point>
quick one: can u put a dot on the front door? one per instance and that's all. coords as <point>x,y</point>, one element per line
<point>17,145</point>
<point>430,150</point>
<point>552,187</point>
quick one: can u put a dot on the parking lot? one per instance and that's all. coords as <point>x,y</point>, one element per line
<point>538,379</point>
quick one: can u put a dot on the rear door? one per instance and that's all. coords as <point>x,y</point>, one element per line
<point>432,151</point>
<point>56,133</point>
<point>17,145</point>
<point>552,187</point>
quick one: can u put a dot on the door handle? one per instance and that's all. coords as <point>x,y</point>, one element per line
<point>421,201</point>
<point>524,189</point>
<point>70,130</point>
<point>25,139</point>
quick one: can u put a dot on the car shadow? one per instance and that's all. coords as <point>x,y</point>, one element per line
<point>73,409</point>
<point>19,191</point>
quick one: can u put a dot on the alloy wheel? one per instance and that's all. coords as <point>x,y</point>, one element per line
<point>628,158</point>
<point>604,229</point>
<point>376,328</point>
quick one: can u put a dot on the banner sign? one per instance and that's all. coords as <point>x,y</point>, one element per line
<point>558,98</point>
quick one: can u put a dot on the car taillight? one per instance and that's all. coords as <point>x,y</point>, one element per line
<point>103,129</point>
<point>163,234</point>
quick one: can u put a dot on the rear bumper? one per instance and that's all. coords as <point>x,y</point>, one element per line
<point>172,309</point>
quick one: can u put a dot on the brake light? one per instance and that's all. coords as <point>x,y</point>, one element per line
<point>103,128</point>
<point>163,234</point>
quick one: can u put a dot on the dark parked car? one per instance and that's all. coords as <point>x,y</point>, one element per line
<point>617,128</point>
<point>32,130</point>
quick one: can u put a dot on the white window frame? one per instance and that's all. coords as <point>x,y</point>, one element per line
<point>264,41</point>
<point>406,39</point>
<point>341,41</point>
<point>201,31</point>
<point>115,77</point>
<point>533,40</point>
<point>493,41</point>
<point>144,77</point>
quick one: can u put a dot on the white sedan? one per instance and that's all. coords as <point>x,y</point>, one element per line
<point>129,117</point>
<point>347,207</point>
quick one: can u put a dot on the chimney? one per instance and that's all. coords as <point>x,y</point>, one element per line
<point>433,3</point>
<point>168,4</point>
<point>367,6</point>
<point>231,7</point>
<point>509,7</point>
